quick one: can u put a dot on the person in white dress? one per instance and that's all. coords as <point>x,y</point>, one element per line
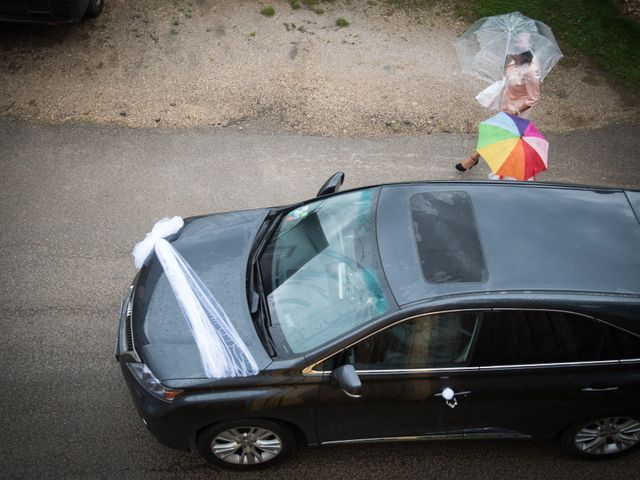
<point>521,92</point>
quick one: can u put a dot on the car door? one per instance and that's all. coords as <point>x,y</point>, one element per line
<point>541,370</point>
<point>404,370</point>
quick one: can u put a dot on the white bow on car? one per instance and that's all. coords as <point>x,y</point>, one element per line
<point>222,351</point>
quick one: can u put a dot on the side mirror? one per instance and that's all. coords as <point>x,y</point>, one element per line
<point>347,379</point>
<point>332,185</point>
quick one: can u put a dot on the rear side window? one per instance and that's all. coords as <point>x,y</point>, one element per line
<point>537,337</point>
<point>626,344</point>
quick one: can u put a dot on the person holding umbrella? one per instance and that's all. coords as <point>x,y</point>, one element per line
<point>515,53</point>
<point>521,92</point>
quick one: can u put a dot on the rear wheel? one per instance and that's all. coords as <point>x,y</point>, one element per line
<point>246,444</point>
<point>603,437</point>
<point>94,8</point>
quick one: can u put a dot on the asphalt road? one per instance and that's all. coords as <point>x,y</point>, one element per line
<point>75,198</point>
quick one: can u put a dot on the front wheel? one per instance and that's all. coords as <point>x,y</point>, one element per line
<point>246,444</point>
<point>601,438</point>
<point>94,8</point>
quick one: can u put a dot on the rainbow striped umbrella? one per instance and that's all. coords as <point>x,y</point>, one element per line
<point>512,146</point>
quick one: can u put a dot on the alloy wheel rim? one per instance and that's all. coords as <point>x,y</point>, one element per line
<point>608,436</point>
<point>246,445</point>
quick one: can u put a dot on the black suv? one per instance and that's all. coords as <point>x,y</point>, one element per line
<point>48,11</point>
<point>416,311</point>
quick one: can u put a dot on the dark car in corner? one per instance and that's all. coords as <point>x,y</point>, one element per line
<point>48,11</point>
<point>415,311</point>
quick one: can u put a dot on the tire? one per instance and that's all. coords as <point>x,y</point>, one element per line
<point>246,444</point>
<point>600,438</point>
<point>94,8</point>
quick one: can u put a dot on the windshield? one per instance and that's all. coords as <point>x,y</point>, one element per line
<point>321,271</point>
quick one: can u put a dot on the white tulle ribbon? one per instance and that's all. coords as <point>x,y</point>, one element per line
<point>162,229</point>
<point>222,351</point>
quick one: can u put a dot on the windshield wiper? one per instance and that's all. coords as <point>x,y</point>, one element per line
<point>261,315</point>
<point>264,233</point>
<point>257,298</point>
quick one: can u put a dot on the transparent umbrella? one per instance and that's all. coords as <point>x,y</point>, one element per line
<point>484,48</point>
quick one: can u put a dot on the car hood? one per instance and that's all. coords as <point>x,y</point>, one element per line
<point>217,247</point>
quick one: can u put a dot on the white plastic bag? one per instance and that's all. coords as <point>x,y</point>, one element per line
<point>491,96</point>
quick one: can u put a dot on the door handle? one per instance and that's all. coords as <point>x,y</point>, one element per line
<point>456,394</point>
<point>601,389</point>
<point>449,396</point>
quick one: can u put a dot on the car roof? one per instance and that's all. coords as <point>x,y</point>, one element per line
<point>530,237</point>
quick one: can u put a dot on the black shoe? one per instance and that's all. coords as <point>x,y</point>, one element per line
<point>460,168</point>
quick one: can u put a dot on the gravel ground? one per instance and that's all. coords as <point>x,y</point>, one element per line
<point>630,8</point>
<point>179,63</point>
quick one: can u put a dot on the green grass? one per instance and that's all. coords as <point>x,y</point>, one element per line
<point>314,6</point>
<point>342,22</point>
<point>295,4</point>
<point>592,27</point>
<point>268,11</point>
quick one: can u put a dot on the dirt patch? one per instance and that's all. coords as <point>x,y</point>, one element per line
<point>630,8</point>
<point>195,63</point>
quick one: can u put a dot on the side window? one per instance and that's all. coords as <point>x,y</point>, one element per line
<point>430,341</point>
<point>530,337</point>
<point>627,344</point>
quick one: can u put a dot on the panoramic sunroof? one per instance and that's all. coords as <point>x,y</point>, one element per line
<point>447,238</point>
